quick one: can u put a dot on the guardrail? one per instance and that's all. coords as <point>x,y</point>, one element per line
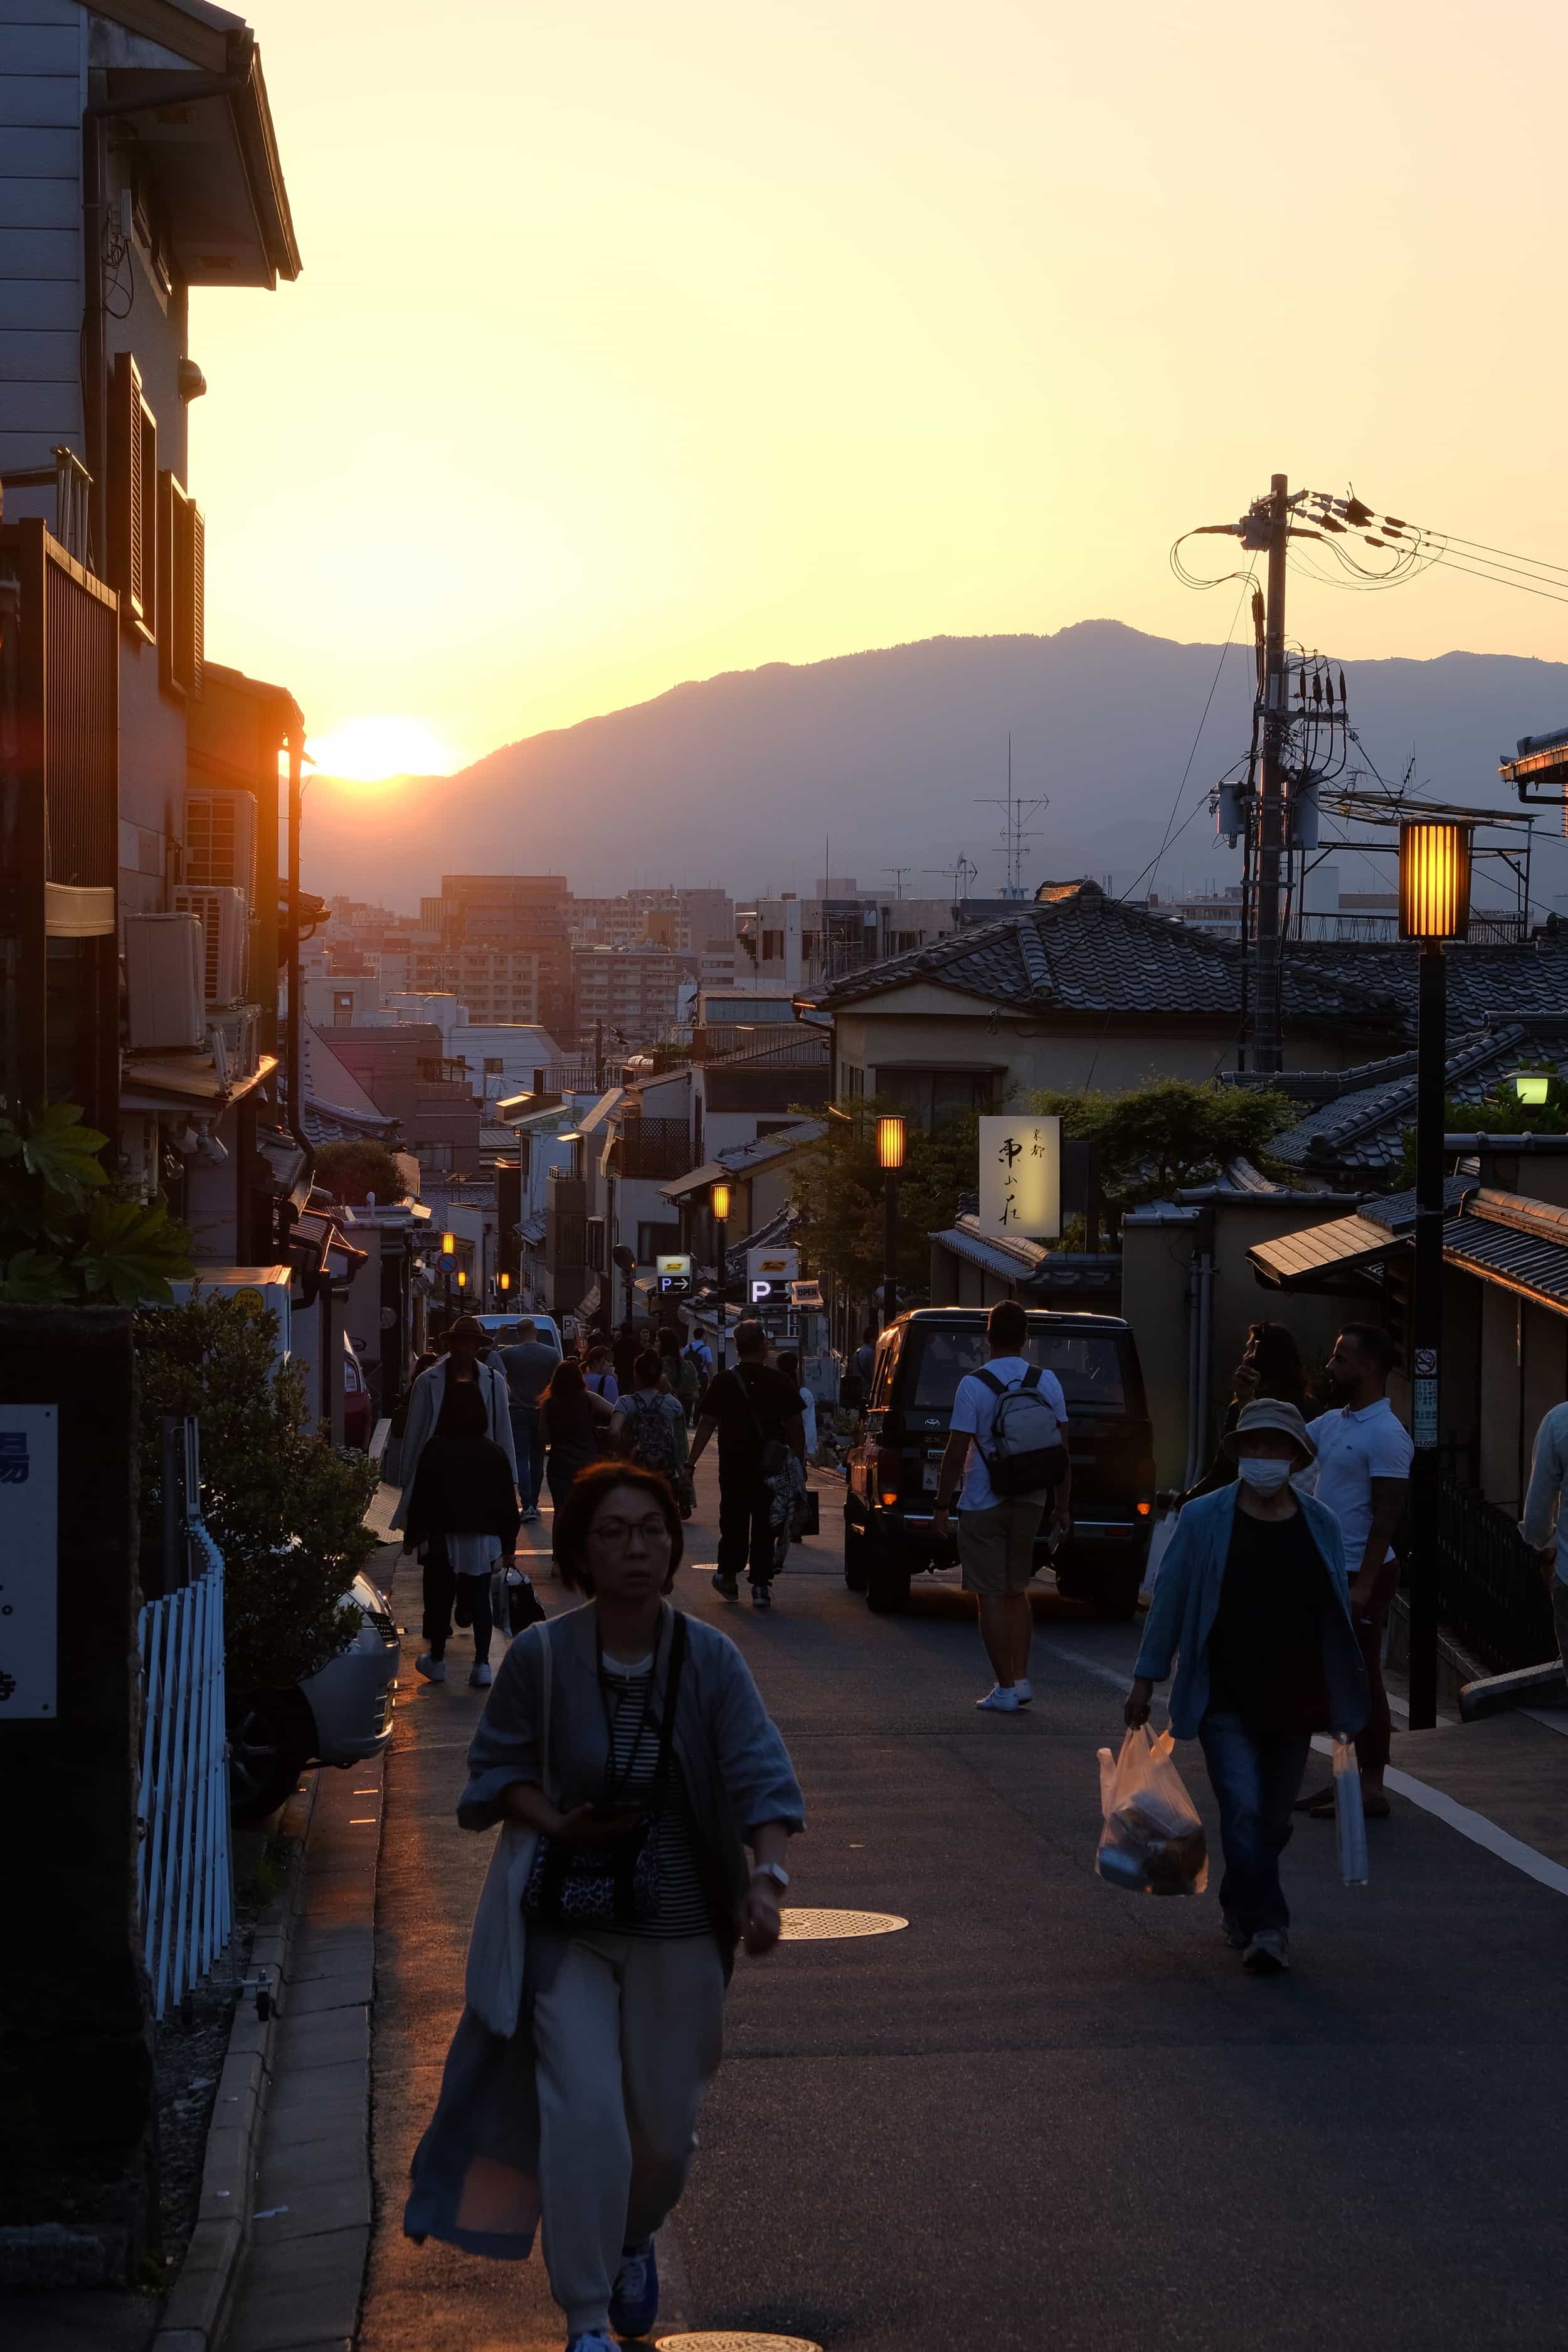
<point>186,1884</point>
<point>1489,1588</point>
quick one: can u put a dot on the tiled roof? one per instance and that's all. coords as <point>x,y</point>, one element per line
<point>1364,1128</point>
<point>1081,952</point>
<point>1495,981</point>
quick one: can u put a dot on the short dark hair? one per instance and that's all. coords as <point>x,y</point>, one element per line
<point>1378,1345</point>
<point>574,1517</point>
<point>647,1369</point>
<point>668,1340</point>
<point>789,1365</point>
<point>526,1327</point>
<point>1008,1325</point>
<point>750,1339</point>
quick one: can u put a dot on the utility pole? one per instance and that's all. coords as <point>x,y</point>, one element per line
<point>1268,1053</point>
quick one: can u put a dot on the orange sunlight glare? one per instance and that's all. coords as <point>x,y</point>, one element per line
<point>374,751</point>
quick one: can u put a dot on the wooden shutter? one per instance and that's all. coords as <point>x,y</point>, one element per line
<point>132,498</point>
<point>182,560</point>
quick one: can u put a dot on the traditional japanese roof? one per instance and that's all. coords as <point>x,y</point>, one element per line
<point>335,1107</point>
<point>1080,953</point>
<point>1362,1128</point>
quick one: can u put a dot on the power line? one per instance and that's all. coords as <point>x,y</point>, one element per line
<point>1152,867</point>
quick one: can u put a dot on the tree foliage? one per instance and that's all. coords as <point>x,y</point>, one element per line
<point>286,1508</point>
<point>354,1168</point>
<point>69,1237</point>
<point>836,1190</point>
<point>1498,1112</point>
<point>1156,1139</point>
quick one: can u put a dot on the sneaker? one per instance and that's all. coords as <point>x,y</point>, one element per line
<point>634,2298</point>
<point>1236,1938</point>
<point>760,1597</point>
<point>726,1585</point>
<point>1265,1956</point>
<point>482,1677</point>
<point>999,1701</point>
<point>531,1517</point>
<point>433,1669</point>
<point>1023,1692</point>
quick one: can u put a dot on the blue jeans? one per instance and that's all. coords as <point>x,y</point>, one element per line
<point>528,1444</point>
<point>1255,1783</point>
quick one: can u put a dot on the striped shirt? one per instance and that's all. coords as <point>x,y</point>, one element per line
<point>683,1907</point>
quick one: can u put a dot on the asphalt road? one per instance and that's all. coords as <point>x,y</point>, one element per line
<point>1046,2112</point>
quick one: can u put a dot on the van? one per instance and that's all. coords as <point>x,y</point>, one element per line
<point>889,1504</point>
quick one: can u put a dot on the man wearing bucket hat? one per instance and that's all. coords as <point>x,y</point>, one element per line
<point>1253,1601</point>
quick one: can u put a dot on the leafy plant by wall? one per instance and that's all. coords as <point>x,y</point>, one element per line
<point>68,1237</point>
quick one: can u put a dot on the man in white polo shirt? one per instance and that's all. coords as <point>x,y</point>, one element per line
<point>1364,1471</point>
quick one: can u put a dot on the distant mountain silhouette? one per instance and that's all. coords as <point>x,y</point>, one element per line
<point>886,756</point>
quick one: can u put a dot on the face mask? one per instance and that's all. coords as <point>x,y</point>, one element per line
<point>1263,1472</point>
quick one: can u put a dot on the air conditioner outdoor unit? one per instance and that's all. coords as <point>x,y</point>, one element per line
<point>165,977</point>
<point>225,917</point>
<point>220,841</point>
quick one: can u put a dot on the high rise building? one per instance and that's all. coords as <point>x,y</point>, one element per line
<point>513,914</point>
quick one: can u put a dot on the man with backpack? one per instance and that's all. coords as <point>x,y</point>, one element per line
<point>757,1414</point>
<point>649,1427</point>
<point>1008,1444</point>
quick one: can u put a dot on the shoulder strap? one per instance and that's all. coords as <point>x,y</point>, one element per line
<point>995,1386</point>
<point>1032,1378</point>
<point>671,1694</point>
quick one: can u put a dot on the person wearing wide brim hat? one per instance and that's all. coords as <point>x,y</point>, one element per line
<point>1254,1599</point>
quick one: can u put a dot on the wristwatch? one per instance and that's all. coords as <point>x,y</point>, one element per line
<point>773,1870</point>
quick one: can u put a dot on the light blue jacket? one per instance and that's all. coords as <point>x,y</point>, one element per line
<point>1186,1600</point>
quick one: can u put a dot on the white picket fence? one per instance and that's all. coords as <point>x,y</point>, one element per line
<point>188,1895</point>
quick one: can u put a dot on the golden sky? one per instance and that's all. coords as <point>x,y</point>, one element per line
<point>639,340</point>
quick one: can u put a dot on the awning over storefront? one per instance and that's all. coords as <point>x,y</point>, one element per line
<point>711,1172</point>
<point>1305,1260</point>
<point>1517,1243</point>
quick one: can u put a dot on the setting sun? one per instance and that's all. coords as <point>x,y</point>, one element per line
<point>372,751</point>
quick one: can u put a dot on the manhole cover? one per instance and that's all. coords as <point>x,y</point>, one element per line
<point>726,2339</point>
<point>817,1926</point>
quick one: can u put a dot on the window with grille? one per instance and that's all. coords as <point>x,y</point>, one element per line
<point>132,499</point>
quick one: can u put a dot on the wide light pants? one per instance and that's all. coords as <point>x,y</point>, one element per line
<point>626,2039</point>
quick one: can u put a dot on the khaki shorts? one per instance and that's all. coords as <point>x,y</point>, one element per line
<point>996,1547</point>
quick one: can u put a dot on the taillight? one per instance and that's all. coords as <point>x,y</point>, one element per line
<point>889,1461</point>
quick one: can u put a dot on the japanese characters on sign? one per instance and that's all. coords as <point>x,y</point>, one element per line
<point>29,1566</point>
<point>1020,1178</point>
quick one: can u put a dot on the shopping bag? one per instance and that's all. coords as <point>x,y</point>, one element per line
<point>1151,1839</point>
<point>1349,1822</point>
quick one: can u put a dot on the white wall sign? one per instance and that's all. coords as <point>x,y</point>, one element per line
<point>773,1265</point>
<point>29,1559</point>
<point>1021,1179</point>
<point>677,1265</point>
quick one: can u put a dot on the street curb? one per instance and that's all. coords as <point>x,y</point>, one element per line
<point>198,2301</point>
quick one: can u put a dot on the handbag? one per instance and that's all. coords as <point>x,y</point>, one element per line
<point>612,1883</point>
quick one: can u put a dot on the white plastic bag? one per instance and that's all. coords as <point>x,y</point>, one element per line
<point>1151,1839</point>
<point>1349,1822</point>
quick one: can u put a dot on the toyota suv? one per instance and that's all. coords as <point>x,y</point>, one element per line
<point>890,1502</point>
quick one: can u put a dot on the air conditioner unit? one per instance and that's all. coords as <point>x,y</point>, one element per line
<point>225,917</point>
<point>164,982</point>
<point>220,841</point>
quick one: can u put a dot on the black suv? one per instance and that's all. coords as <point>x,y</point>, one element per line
<point>889,1506</point>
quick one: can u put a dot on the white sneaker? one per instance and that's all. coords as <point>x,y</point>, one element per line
<point>481,1677</point>
<point>1023,1692</point>
<point>433,1669</point>
<point>999,1702</point>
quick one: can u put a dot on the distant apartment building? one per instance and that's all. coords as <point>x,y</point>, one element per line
<point>633,992</point>
<point>405,1070</point>
<point>809,942</point>
<point>686,921</point>
<point>511,916</point>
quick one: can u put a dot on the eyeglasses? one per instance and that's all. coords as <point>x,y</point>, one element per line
<point>619,1533</point>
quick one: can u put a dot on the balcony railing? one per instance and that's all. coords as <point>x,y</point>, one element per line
<point>655,1148</point>
<point>1489,1588</point>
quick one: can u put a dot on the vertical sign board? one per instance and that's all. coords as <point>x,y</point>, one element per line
<point>1020,1178</point>
<point>29,1561</point>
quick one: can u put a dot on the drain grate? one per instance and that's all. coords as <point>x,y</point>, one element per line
<point>819,1926</point>
<point>735,2339</point>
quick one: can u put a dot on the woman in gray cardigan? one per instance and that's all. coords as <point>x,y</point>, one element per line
<point>573,2084</point>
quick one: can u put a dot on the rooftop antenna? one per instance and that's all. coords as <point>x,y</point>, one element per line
<point>958,878</point>
<point>1017,829</point>
<point>898,873</point>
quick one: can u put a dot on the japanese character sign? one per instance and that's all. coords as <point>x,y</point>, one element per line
<point>1020,1178</point>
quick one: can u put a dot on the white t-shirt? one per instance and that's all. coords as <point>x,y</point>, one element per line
<point>1354,1448</point>
<point>973,1412</point>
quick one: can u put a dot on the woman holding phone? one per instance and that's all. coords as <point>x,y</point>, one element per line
<point>627,1754</point>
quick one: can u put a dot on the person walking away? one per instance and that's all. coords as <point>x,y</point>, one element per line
<point>459,1397</point>
<point>527,1366</point>
<point>1542,1527</point>
<point>1271,1367</point>
<point>1000,1517</point>
<point>573,2082</point>
<point>648,1427</point>
<point>680,1376</point>
<point>627,1349</point>
<point>600,1380</point>
<point>757,1415</point>
<point>1254,1597</point>
<point>576,1424</point>
<point>1364,1474</point>
<point>789,1365</point>
<point>462,1520</point>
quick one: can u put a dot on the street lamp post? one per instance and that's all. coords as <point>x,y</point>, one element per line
<point>1434,905</point>
<point>718,1201</point>
<point>889,1158</point>
<point>448,1251</point>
